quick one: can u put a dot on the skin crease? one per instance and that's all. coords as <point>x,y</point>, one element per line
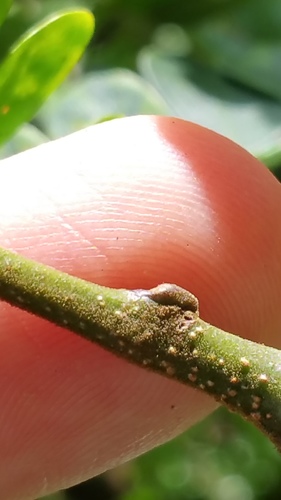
<point>128,203</point>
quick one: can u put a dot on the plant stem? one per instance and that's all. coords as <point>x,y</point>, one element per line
<point>158,329</point>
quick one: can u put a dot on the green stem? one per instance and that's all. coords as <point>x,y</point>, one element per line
<point>159,329</point>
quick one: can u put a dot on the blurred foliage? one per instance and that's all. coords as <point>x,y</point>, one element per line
<point>216,460</point>
<point>4,9</point>
<point>215,62</point>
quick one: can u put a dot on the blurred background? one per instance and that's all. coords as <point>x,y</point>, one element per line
<point>214,62</point>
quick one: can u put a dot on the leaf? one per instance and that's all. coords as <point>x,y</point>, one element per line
<point>194,93</point>
<point>38,64</point>
<point>96,97</point>
<point>4,9</point>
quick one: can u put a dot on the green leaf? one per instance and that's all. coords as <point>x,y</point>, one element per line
<point>96,97</point>
<point>38,64</point>
<point>4,9</point>
<point>196,94</point>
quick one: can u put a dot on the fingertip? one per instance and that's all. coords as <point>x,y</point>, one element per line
<point>238,267</point>
<point>135,202</point>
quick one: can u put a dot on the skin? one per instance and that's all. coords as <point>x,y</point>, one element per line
<point>130,203</point>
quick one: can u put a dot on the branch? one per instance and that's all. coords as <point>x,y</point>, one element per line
<point>158,329</point>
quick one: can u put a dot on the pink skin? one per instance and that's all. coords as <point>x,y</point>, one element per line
<point>128,203</point>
